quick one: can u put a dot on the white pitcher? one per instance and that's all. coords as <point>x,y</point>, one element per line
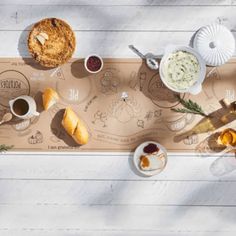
<point>31,107</point>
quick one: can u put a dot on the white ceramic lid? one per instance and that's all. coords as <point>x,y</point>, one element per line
<point>215,43</point>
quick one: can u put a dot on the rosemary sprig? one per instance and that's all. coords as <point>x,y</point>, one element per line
<point>4,147</point>
<point>189,107</point>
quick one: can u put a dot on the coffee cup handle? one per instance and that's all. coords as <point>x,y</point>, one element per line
<point>11,103</point>
<point>36,113</point>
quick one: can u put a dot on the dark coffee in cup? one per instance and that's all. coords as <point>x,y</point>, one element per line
<point>23,107</point>
<point>20,107</point>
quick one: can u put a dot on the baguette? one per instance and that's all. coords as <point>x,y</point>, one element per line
<point>70,121</point>
<point>75,127</point>
<point>81,135</point>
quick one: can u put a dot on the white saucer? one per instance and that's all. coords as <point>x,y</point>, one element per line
<point>139,151</point>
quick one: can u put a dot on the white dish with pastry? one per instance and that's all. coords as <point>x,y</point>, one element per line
<point>150,158</point>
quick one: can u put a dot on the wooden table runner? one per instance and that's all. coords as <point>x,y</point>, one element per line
<point>115,123</point>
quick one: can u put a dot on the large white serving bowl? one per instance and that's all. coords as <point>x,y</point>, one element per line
<point>197,86</point>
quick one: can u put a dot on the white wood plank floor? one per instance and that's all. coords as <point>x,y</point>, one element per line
<point>68,195</point>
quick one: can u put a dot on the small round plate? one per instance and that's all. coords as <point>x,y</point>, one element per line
<point>139,152</point>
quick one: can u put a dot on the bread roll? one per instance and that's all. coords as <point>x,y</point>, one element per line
<point>81,135</point>
<point>75,127</point>
<point>50,97</point>
<point>70,121</point>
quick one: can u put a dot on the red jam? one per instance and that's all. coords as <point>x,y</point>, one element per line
<point>94,63</point>
<point>151,148</point>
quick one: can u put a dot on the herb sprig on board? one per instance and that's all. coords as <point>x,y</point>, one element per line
<point>4,147</point>
<point>189,106</point>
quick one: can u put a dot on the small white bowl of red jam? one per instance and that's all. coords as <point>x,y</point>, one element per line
<point>93,63</point>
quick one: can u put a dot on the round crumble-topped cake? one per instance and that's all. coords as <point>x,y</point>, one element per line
<point>51,42</point>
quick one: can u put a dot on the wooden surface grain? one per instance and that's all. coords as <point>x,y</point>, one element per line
<point>68,195</point>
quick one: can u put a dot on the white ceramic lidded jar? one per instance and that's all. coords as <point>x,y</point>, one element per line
<point>215,43</point>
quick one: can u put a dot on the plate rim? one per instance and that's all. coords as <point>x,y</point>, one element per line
<point>149,173</point>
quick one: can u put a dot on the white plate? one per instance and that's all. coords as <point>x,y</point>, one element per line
<point>139,152</point>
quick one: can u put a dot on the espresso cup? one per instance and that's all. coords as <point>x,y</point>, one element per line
<point>23,107</point>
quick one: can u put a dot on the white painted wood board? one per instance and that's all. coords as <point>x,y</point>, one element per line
<point>63,195</point>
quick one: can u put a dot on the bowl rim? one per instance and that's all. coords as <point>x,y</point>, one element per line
<point>85,63</point>
<point>202,64</point>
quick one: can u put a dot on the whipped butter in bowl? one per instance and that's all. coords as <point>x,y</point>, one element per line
<point>182,69</point>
